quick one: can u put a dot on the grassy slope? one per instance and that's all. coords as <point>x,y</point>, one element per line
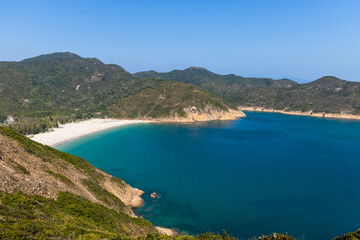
<point>69,215</point>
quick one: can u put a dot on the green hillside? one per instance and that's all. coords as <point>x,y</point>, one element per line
<point>221,85</point>
<point>56,88</point>
<point>60,83</point>
<point>167,99</point>
<point>327,94</point>
<point>48,194</point>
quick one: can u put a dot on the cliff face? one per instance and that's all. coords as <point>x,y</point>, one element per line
<point>192,114</point>
<point>39,170</point>
<point>306,113</point>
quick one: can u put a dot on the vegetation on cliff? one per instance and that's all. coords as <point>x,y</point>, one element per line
<point>349,236</point>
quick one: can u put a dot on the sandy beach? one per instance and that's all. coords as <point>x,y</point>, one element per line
<point>70,131</point>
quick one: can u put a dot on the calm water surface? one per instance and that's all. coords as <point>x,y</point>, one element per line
<point>257,175</point>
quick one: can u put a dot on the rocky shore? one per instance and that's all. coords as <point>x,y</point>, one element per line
<point>194,115</point>
<point>299,113</point>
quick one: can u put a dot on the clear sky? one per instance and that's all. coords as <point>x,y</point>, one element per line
<point>300,39</point>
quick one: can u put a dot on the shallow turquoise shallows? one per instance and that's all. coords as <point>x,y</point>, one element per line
<point>257,175</point>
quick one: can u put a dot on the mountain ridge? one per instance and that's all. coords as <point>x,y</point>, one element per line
<point>324,95</point>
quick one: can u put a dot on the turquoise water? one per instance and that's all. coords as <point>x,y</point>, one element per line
<point>257,175</point>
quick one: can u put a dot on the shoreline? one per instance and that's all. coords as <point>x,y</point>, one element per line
<point>70,131</point>
<point>305,114</point>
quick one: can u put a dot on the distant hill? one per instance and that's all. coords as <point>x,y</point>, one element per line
<point>221,85</point>
<point>60,87</point>
<point>328,94</point>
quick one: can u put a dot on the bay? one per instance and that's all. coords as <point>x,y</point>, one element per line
<point>257,175</point>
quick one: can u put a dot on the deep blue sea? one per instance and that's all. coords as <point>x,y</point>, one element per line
<point>257,175</point>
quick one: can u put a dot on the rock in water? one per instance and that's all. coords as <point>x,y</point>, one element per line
<point>154,195</point>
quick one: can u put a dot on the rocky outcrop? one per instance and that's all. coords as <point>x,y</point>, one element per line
<point>166,231</point>
<point>209,113</point>
<point>130,196</point>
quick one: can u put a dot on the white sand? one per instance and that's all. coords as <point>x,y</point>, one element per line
<point>70,131</point>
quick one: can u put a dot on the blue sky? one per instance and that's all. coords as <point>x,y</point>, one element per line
<point>300,39</point>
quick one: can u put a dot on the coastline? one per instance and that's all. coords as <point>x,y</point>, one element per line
<point>70,131</point>
<point>306,114</point>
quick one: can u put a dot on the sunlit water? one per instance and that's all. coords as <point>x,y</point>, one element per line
<point>257,175</point>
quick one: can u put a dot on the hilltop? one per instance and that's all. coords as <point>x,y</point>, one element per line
<point>218,84</point>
